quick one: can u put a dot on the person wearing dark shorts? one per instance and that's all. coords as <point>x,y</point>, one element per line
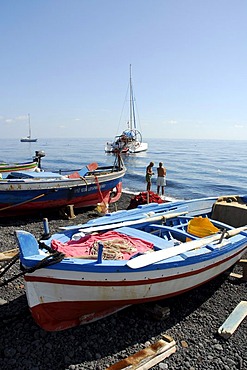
<point>149,174</point>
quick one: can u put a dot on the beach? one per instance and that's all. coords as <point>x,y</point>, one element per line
<point>193,321</point>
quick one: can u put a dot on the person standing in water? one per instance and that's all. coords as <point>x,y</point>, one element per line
<point>161,179</point>
<point>149,174</point>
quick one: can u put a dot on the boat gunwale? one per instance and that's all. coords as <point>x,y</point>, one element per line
<point>113,266</point>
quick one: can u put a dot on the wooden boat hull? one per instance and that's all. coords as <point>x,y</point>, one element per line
<point>79,290</point>
<point>96,297</point>
<point>21,196</point>
<point>10,167</point>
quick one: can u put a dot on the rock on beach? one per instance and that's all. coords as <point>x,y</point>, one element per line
<point>193,321</point>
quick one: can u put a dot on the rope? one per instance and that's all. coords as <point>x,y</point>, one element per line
<point>6,266</point>
<point>26,201</point>
<point>113,249</point>
<point>53,258</point>
<point>85,180</point>
<point>98,186</point>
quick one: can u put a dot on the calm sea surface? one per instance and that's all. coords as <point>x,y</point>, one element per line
<point>195,168</point>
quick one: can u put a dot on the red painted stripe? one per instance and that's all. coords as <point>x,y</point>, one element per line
<point>126,282</point>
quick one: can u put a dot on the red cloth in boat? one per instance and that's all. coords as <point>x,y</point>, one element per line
<point>77,248</point>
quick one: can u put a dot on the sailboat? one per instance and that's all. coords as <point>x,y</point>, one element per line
<point>130,140</point>
<point>28,139</point>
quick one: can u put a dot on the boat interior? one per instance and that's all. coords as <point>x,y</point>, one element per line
<point>159,235</point>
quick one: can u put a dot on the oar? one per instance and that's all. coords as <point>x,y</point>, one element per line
<point>133,214</point>
<point>150,258</point>
<point>106,222</point>
<point>164,217</point>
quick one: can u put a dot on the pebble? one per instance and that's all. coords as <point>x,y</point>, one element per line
<point>163,366</point>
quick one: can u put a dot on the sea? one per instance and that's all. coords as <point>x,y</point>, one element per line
<point>195,168</point>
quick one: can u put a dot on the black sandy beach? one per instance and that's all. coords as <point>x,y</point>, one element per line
<point>193,322</point>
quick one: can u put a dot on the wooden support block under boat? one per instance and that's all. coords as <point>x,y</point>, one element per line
<point>243,276</point>
<point>156,311</point>
<point>68,212</point>
<point>233,320</point>
<point>243,264</point>
<point>148,357</point>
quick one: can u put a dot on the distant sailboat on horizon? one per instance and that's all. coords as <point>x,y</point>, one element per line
<point>28,138</point>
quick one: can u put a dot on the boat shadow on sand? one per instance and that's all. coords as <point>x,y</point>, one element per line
<point>112,334</point>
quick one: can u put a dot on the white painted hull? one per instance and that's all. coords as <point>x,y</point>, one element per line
<point>136,147</point>
<point>93,295</point>
<point>76,290</point>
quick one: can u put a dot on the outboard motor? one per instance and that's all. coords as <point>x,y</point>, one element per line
<point>38,155</point>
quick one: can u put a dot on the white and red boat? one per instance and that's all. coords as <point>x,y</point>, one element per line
<point>130,257</point>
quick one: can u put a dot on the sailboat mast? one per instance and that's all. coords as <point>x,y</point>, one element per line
<point>132,107</point>
<point>29,125</point>
<point>131,102</point>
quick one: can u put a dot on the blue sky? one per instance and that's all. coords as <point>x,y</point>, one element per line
<point>66,63</point>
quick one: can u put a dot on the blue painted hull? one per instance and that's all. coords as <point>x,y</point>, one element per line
<point>30,195</point>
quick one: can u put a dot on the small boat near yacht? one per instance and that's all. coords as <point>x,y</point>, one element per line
<point>32,192</point>
<point>28,138</point>
<point>89,271</point>
<point>130,140</point>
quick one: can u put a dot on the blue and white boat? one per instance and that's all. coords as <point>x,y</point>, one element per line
<point>86,272</point>
<point>31,191</point>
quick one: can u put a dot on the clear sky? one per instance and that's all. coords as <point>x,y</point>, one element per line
<point>66,63</point>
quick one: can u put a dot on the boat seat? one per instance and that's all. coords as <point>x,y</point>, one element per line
<point>176,232</point>
<point>218,224</point>
<point>197,252</point>
<point>156,240</point>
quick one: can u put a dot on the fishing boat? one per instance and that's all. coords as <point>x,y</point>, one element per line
<point>130,140</point>
<point>21,166</point>
<point>28,138</point>
<point>7,168</point>
<point>32,192</point>
<point>86,272</point>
